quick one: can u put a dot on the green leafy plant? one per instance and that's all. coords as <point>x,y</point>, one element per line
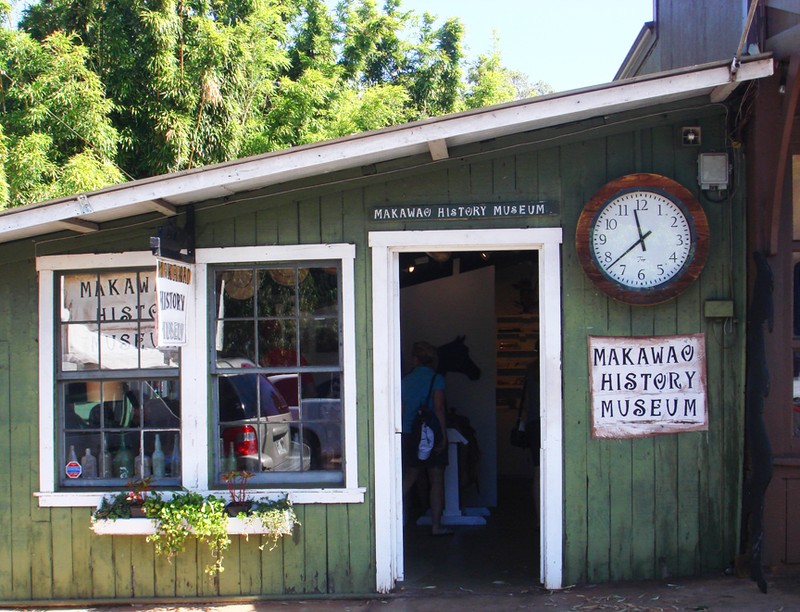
<point>277,517</point>
<point>190,513</point>
<point>113,508</point>
<point>237,484</point>
<point>123,504</point>
<point>138,490</point>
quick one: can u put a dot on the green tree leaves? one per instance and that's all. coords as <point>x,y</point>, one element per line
<point>156,86</point>
<point>55,120</point>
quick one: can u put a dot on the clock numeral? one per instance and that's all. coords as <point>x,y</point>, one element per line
<point>601,238</point>
<point>660,269</point>
<point>673,257</point>
<point>607,257</point>
<point>622,210</point>
<point>623,266</point>
<point>611,224</point>
<point>674,222</point>
<point>680,240</point>
<point>642,205</point>
<point>641,275</point>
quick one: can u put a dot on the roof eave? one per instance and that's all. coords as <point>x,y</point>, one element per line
<point>433,136</point>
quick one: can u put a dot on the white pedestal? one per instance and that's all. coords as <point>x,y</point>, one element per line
<point>453,514</point>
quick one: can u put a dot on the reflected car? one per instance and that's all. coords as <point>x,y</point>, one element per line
<point>319,421</point>
<point>255,424</point>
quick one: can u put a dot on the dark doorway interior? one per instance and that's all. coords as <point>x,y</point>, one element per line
<point>504,553</point>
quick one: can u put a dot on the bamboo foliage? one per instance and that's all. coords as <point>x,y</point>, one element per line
<point>150,87</point>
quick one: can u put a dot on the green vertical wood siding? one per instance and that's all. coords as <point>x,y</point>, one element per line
<point>666,505</point>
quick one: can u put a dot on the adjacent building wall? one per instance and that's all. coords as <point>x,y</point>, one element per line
<point>692,33</point>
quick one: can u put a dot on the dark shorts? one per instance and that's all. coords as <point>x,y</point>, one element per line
<point>410,455</point>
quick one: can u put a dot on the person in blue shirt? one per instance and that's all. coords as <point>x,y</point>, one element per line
<point>423,388</point>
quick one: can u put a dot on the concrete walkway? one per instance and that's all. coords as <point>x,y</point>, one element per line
<point>713,593</point>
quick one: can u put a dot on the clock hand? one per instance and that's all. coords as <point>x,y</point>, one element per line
<point>639,229</point>
<point>630,248</point>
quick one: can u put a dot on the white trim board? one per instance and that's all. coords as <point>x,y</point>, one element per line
<point>194,367</point>
<point>386,247</point>
<point>433,135</point>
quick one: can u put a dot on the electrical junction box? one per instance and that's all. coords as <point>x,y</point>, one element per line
<point>718,309</point>
<point>712,171</point>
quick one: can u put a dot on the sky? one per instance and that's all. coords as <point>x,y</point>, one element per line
<point>566,43</point>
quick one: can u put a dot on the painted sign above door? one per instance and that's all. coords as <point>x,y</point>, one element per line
<point>644,386</point>
<point>442,212</point>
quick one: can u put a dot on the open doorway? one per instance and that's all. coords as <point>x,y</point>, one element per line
<point>486,302</point>
<point>387,343</point>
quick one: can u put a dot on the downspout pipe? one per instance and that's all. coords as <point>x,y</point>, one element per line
<point>736,62</point>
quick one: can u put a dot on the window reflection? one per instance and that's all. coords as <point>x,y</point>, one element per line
<point>796,294</point>
<point>122,429</point>
<point>278,370</point>
<point>108,322</point>
<point>796,395</point>
<point>120,420</point>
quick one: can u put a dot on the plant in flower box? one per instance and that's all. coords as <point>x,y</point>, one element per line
<point>132,503</point>
<point>277,518</point>
<point>271,518</point>
<point>188,513</point>
<point>237,488</point>
<point>138,491</point>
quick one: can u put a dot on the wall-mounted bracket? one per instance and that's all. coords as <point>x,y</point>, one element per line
<point>172,240</point>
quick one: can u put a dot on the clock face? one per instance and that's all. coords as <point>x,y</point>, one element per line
<point>642,238</point>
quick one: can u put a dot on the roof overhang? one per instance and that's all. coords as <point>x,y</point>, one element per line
<point>434,137</point>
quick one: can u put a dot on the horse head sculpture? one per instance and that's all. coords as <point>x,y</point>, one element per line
<point>454,357</point>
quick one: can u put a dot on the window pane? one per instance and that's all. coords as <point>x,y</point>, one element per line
<point>236,339</point>
<point>80,347</point>
<point>108,322</point>
<point>283,420</point>
<point>796,295</point>
<point>237,293</point>
<point>318,420</point>
<point>319,292</point>
<point>277,292</point>
<point>255,426</point>
<point>277,343</point>
<point>796,396</point>
<point>109,424</point>
<point>796,197</point>
<point>319,341</point>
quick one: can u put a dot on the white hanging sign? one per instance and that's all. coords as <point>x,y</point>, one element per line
<point>644,386</point>
<point>174,288</point>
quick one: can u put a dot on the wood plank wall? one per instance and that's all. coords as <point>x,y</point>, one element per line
<point>643,508</point>
<point>666,505</point>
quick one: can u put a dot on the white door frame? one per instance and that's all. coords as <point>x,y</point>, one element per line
<point>386,348</point>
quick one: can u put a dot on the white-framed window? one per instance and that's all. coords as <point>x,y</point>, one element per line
<point>104,386</point>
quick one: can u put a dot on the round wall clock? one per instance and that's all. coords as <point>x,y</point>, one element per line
<point>642,238</point>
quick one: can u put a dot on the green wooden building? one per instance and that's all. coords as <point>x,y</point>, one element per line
<point>301,283</point>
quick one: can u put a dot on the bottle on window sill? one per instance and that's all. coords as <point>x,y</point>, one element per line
<point>72,459</point>
<point>230,460</point>
<point>106,464</point>
<point>142,467</point>
<point>159,461</point>
<point>175,458</point>
<point>123,461</point>
<point>89,464</point>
